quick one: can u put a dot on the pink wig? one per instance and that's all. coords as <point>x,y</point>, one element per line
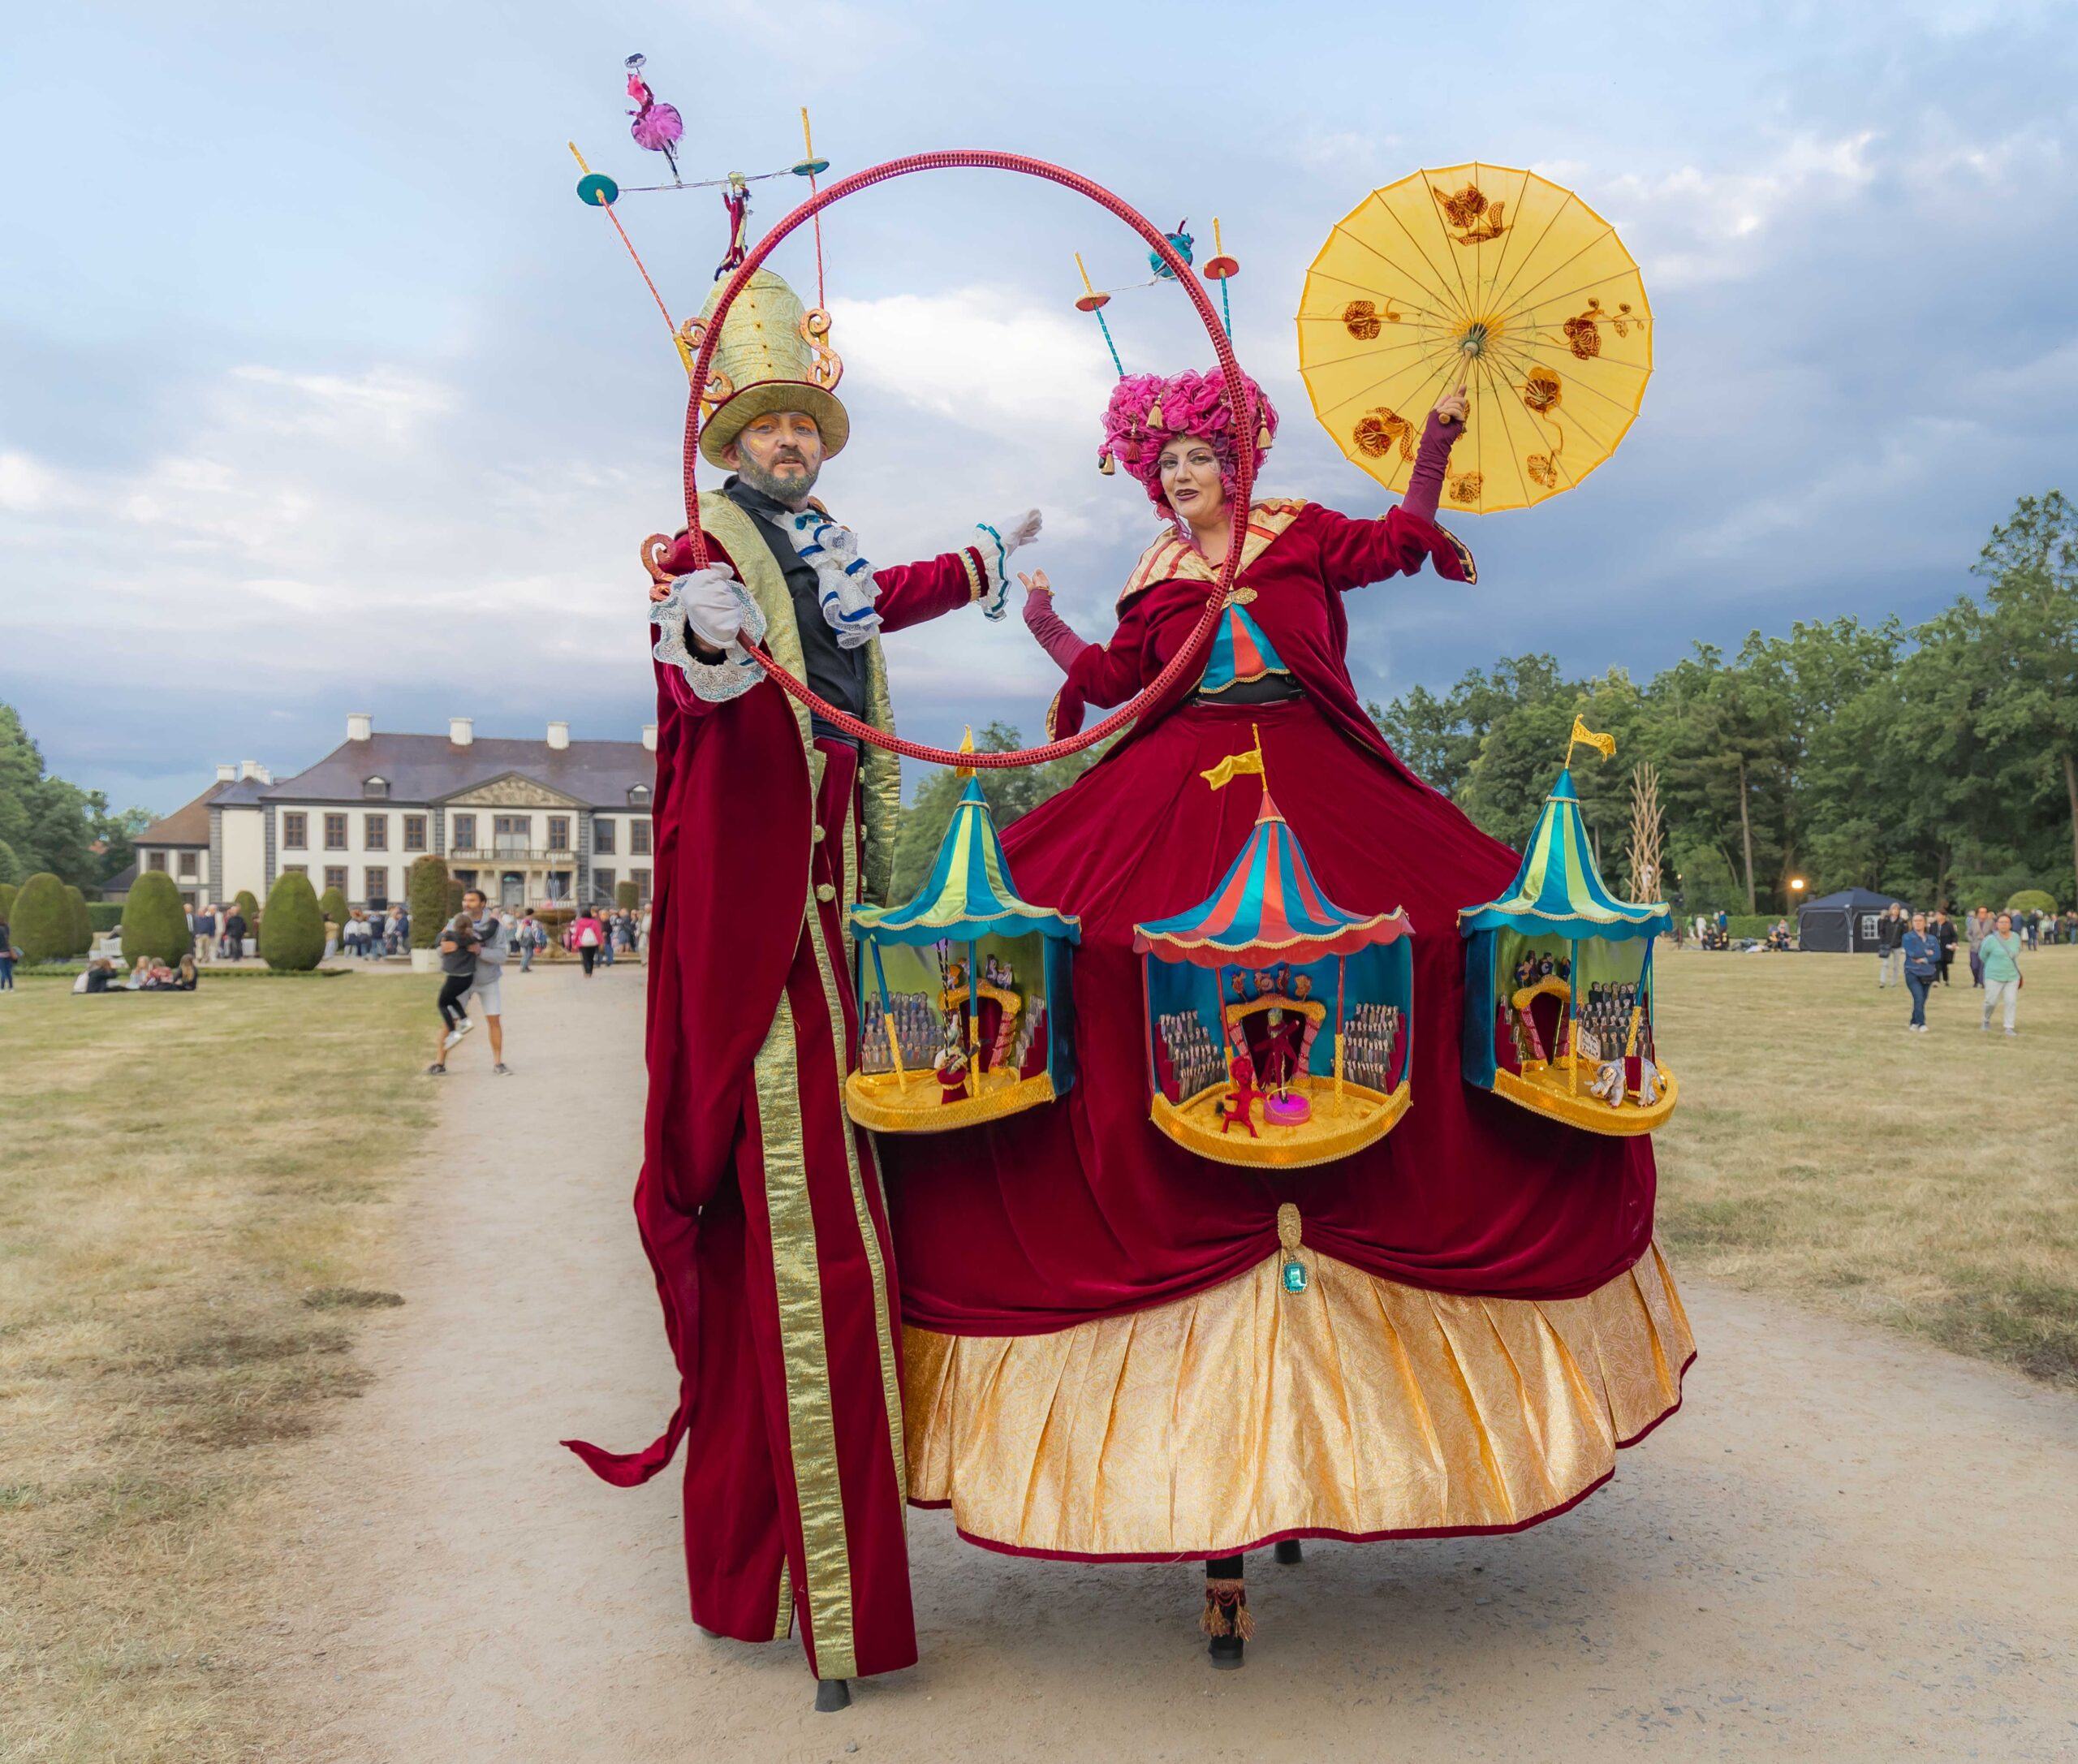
<point>1147,412</point>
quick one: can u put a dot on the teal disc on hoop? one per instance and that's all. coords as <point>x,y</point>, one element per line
<point>810,168</point>
<point>596,188</point>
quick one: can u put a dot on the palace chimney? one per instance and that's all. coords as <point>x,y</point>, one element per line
<point>649,736</point>
<point>226,773</point>
<point>558,736</point>
<point>461,730</point>
<point>359,725</point>
<point>254,769</point>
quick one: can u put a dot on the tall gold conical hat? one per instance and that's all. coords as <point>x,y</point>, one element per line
<point>775,355</point>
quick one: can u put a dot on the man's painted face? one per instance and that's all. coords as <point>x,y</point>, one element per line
<point>780,454</point>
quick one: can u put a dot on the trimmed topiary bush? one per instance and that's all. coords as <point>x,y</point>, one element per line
<point>294,939</point>
<point>154,922</point>
<point>426,896</point>
<point>2032,900</point>
<point>43,922</point>
<point>104,915</point>
<point>625,896</point>
<point>455,891</point>
<point>249,910</point>
<point>332,903</point>
<point>7,893</point>
<point>83,927</point>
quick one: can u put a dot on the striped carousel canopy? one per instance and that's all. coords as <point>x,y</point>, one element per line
<point>969,894</point>
<point>1559,890</point>
<point>1267,907</point>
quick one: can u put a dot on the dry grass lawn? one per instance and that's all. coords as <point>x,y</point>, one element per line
<point>1821,1153</point>
<point>193,1213</point>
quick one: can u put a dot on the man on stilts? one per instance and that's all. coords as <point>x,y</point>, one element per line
<point>759,1203</point>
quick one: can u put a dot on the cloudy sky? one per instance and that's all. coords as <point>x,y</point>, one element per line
<point>320,391</point>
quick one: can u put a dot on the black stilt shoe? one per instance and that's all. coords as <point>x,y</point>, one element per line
<point>1289,1551</point>
<point>1226,1620</point>
<point>831,1694</point>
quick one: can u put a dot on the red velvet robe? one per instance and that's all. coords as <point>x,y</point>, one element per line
<point>1083,1208</point>
<point>792,1417</point>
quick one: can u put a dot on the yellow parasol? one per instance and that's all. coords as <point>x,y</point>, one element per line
<point>1494,279</point>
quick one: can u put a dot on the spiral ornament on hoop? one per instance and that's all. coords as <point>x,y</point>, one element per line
<point>1193,647</point>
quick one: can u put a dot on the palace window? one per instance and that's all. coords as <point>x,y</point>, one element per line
<point>513,833</point>
<point>335,876</point>
<point>558,882</point>
<point>296,870</point>
<point>602,885</point>
<point>375,787</point>
<point>638,796</point>
<point>375,886</point>
<point>295,830</point>
<point>640,878</point>
<point>375,833</point>
<point>638,836</point>
<point>335,833</point>
<point>464,837</point>
<point>415,832</point>
<point>558,833</point>
<point>188,864</point>
<point>602,834</point>
<point>155,860</point>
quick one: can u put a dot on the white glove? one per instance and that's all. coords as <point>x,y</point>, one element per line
<point>712,609</point>
<point>1020,530</point>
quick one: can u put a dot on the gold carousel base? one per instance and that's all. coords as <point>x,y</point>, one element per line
<point>877,1100</point>
<point>1338,1126</point>
<point>1547,1088</point>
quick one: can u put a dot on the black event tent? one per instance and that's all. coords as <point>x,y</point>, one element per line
<point>1844,922</point>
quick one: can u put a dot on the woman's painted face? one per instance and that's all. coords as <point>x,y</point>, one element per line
<point>1190,479</point>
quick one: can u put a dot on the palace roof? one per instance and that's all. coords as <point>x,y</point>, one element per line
<point>432,768</point>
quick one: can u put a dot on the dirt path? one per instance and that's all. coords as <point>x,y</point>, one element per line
<point>1846,1546</point>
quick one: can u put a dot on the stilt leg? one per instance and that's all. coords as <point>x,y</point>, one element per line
<point>1288,1551</point>
<point>1225,1623</point>
<point>831,1694</point>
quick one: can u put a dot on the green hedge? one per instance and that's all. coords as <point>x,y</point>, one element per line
<point>426,894</point>
<point>2032,900</point>
<point>7,893</point>
<point>331,904</point>
<point>625,896</point>
<point>42,925</point>
<point>83,923</point>
<point>154,921</point>
<point>293,937</point>
<point>104,915</point>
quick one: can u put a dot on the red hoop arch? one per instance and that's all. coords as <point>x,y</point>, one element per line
<point>1236,392</point>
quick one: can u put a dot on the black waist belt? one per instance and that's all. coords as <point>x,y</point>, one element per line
<point>1271,689</point>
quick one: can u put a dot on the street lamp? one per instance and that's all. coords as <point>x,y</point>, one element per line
<point>1796,885</point>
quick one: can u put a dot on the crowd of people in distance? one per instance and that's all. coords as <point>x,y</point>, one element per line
<point>220,932</point>
<point>1921,948</point>
<point>369,934</point>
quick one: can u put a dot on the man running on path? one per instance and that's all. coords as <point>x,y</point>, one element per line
<point>496,945</point>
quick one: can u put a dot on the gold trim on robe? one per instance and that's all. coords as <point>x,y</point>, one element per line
<point>1359,1407</point>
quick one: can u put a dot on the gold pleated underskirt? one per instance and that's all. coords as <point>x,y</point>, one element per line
<point>1358,1408</point>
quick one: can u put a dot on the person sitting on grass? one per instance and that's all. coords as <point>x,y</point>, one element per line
<point>184,981</point>
<point>458,961</point>
<point>100,976</point>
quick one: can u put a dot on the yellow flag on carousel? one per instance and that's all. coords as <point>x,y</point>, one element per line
<point>1233,766</point>
<point>1583,736</point>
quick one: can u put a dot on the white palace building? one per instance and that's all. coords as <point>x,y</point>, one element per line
<point>531,823</point>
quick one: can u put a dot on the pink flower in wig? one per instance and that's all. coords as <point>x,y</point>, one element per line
<point>1191,403</point>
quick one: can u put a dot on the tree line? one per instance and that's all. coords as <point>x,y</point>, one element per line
<point>48,825</point>
<point>1937,762</point>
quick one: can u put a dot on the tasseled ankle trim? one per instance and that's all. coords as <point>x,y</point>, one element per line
<point>1226,1609</point>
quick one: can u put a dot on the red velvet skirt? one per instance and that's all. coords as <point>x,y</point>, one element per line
<point>1082,1209</point>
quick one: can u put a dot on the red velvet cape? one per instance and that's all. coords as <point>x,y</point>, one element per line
<point>1082,1209</point>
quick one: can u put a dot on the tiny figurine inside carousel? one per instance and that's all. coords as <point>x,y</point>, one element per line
<point>1568,973</point>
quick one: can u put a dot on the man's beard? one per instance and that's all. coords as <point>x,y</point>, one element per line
<point>793,488</point>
